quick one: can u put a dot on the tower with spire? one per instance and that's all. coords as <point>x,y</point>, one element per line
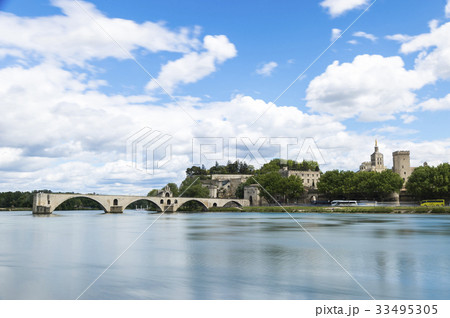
<point>376,161</point>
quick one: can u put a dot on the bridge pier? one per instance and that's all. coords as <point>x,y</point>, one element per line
<point>40,209</point>
<point>41,204</point>
<point>169,208</point>
<point>115,209</point>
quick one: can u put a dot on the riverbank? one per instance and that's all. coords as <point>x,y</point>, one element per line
<point>14,209</point>
<point>317,209</point>
<point>327,209</point>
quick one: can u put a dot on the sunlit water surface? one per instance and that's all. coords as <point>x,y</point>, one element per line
<point>223,256</point>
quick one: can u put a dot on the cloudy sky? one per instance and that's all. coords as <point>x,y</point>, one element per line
<point>94,93</point>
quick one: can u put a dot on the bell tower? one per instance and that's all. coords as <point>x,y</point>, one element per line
<point>377,159</point>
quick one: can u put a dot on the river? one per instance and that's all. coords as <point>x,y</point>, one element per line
<point>224,256</point>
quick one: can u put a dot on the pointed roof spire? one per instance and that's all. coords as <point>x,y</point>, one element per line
<point>376,143</point>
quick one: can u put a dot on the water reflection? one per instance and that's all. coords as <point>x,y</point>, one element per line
<point>223,256</point>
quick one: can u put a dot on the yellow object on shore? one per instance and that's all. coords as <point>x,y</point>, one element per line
<point>437,202</point>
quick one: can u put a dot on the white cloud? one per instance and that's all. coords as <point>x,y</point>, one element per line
<point>335,34</point>
<point>194,66</point>
<point>399,37</point>
<point>375,88</point>
<point>372,88</point>
<point>11,52</point>
<point>66,136</point>
<point>74,38</point>
<point>395,130</point>
<point>365,35</point>
<point>433,61</point>
<point>353,42</point>
<point>9,155</point>
<point>267,69</point>
<point>434,104</point>
<point>433,24</point>
<point>407,118</point>
<point>77,36</point>
<point>338,7</point>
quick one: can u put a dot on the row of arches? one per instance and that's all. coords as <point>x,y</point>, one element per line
<point>92,203</point>
<point>155,204</point>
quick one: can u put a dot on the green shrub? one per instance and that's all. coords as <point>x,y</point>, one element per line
<point>224,209</point>
<point>440,210</point>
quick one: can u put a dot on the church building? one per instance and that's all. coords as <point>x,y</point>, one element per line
<point>376,162</point>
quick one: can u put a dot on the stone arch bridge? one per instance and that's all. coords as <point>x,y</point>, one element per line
<point>46,203</point>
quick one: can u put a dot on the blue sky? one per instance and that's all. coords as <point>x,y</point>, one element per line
<point>72,93</point>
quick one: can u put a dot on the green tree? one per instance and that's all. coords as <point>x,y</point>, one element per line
<point>430,182</point>
<point>276,164</point>
<point>196,171</point>
<point>240,191</point>
<point>294,188</point>
<point>174,189</point>
<point>272,166</point>
<point>359,185</point>
<point>237,167</point>
<point>153,193</point>
<point>332,184</point>
<point>191,187</point>
<point>274,186</point>
<point>240,188</point>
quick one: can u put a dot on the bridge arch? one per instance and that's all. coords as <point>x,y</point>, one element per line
<point>233,203</point>
<point>56,204</point>
<point>154,202</point>
<point>203,205</point>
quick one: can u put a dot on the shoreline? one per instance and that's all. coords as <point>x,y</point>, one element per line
<point>312,209</point>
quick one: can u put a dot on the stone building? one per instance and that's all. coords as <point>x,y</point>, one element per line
<point>224,186</point>
<point>166,192</point>
<point>252,194</point>
<point>376,162</point>
<point>310,178</point>
<point>402,164</point>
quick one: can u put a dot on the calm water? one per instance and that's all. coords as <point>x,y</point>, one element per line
<point>223,256</point>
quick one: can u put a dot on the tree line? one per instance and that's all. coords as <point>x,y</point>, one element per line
<point>368,185</point>
<point>237,167</point>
